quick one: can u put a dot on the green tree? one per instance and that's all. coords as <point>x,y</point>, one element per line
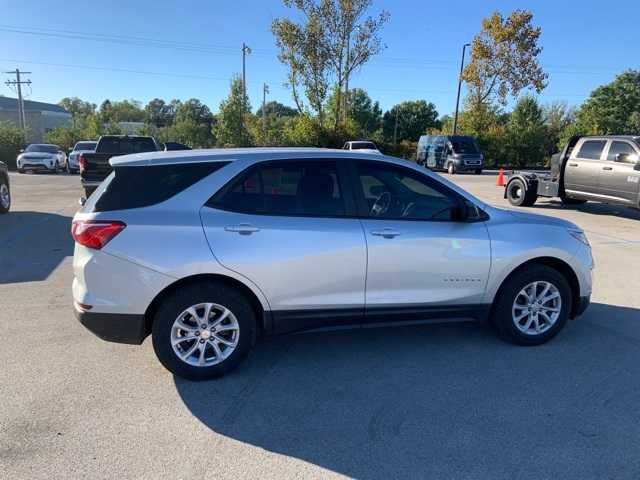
<point>277,109</point>
<point>230,128</point>
<point>413,118</point>
<point>158,113</point>
<point>77,108</point>
<point>504,58</point>
<point>324,48</point>
<point>121,111</point>
<point>525,134</point>
<point>613,108</point>
<point>557,118</point>
<point>365,114</point>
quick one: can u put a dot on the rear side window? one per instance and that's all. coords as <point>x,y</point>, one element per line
<point>591,149</point>
<point>126,145</point>
<point>284,188</point>
<point>135,187</point>
<point>621,148</point>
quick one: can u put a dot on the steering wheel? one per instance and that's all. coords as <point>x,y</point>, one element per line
<point>381,204</point>
<point>408,210</point>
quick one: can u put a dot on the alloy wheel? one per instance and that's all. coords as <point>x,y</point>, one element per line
<point>205,334</point>
<point>536,308</point>
<point>5,196</point>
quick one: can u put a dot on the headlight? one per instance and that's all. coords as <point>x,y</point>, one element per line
<point>580,236</point>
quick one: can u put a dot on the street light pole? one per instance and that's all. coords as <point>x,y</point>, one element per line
<point>455,119</point>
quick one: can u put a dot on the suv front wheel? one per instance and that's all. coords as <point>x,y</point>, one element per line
<point>5,195</point>
<point>203,331</point>
<point>532,306</point>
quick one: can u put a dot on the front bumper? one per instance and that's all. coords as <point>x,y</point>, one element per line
<point>580,307</point>
<point>114,327</point>
<point>464,167</point>
<point>35,166</point>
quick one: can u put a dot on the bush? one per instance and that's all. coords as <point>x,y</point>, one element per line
<point>11,141</point>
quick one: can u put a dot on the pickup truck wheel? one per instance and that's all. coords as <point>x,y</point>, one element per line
<point>451,169</point>
<point>519,195</point>
<point>532,306</point>
<point>5,196</point>
<point>203,331</point>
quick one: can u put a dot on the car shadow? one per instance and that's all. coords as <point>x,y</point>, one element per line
<point>593,208</point>
<point>32,245</point>
<point>439,401</point>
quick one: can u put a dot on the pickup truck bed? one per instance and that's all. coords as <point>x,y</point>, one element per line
<point>95,167</point>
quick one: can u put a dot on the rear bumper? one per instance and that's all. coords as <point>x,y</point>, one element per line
<point>114,327</point>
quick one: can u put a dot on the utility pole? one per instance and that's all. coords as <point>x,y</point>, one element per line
<point>265,90</point>
<point>455,119</point>
<point>22,118</point>
<point>245,50</point>
<point>395,128</point>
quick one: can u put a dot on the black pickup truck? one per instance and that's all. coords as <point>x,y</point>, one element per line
<point>94,166</point>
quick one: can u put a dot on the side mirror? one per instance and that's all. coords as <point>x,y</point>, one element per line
<point>22,150</point>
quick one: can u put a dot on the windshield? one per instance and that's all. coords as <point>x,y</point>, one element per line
<point>42,148</point>
<point>363,146</point>
<point>85,146</point>
<point>464,145</point>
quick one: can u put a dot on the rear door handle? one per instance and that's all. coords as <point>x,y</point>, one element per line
<point>385,233</point>
<point>573,164</point>
<point>242,229</point>
<point>607,168</point>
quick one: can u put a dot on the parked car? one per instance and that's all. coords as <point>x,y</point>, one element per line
<point>95,167</point>
<point>599,168</point>
<point>362,146</point>
<point>453,153</point>
<point>84,146</point>
<point>5,190</point>
<point>208,250</point>
<point>40,157</point>
<point>171,146</point>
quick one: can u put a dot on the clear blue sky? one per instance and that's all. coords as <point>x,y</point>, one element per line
<point>585,44</point>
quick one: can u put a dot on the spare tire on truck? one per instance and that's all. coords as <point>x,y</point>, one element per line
<point>519,194</point>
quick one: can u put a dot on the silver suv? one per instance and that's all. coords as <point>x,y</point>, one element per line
<point>209,250</point>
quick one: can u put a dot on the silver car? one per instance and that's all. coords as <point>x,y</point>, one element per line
<point>209,250</point>
<point>73,163</point>
<point>40,157</point>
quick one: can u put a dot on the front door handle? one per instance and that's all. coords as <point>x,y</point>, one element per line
<point>385,233</point>
<point>573,164</point>
<point>607,168</point>
<point>242,229</point>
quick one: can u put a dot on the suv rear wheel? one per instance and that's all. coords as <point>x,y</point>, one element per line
<point>532,306</point>
<point>203,331</point>
<point>5,195</point>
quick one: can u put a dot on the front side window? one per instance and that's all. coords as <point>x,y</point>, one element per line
<point>591,149</point>
<point>393,192</point>
<point>307,188</point>
<point>464,145</point>
<point>621,148</point>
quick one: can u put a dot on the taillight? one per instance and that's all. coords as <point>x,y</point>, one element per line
<point>82,163</point>
<point>95,233</point>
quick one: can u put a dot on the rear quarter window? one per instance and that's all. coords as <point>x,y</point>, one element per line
<point>136,187</point>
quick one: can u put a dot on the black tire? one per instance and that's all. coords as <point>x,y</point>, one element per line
<point>4,184</point>
<point>478,171</point>
<point>451,168</point>
<point>185,297</point>
<point>21,170</point>
<point>572,201</point>
<point>502,317</point>
<point>519,195</point>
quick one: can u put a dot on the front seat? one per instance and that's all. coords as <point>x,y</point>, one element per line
<point>315,195</point>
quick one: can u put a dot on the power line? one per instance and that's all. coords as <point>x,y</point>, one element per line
<point>121,70</point>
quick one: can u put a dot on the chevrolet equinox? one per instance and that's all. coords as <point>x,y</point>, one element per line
<point>208,250</point>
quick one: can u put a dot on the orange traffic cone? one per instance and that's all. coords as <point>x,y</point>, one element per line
<point>500,179</point>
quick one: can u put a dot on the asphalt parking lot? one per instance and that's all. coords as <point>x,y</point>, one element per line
<point>434,401</point>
